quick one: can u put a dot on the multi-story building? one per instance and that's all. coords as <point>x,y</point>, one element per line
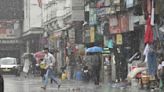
<point>11,19</point>
<point>56,22</point>
<point>32,31</point>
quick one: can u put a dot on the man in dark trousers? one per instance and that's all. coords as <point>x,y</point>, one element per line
<point>96,67</point>
<point>49,60</point>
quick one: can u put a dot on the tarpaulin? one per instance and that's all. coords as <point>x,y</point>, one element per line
<point>148,38</point>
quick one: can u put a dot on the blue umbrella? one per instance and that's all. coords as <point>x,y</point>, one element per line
<point>94,49</point>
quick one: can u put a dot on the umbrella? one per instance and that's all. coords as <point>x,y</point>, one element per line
<point>39,55</point>
<point>94,49</point>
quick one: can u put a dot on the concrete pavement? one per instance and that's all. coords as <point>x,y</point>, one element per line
<point>17,84</point>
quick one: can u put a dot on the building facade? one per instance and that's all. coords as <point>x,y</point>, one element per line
<point>11,20</point>
<point>57,25</point>
<point>32,29</point>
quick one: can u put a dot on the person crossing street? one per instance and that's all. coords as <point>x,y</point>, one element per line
<point>49,60</point>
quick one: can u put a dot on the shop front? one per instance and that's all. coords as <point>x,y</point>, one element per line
<point>32,40</point>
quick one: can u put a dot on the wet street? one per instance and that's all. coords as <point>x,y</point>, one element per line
<point>17,84</point>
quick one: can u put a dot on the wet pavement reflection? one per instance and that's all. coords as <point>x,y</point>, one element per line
<point>17,84</point>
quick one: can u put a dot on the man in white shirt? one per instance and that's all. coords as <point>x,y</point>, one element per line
<point>49,61</point>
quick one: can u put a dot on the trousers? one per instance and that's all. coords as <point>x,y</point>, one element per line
<point>50,74</point>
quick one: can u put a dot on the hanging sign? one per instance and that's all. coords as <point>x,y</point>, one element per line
<point>119,40</point>
<point>92,34</point>
<point>92,17</point>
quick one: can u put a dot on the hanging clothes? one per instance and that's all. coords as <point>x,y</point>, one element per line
<point>152,13</point>
<point>114,24</point>
<point>148,38</point>
<point>149,6</point>
<point>146,51</point>
<point>124,23</point>
<point>152,63</point>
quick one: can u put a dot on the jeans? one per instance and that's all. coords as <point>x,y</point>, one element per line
<point>50,74</point>
<point>152,64</point>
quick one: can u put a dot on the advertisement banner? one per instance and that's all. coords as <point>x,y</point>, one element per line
<point>92,34</point>
<point>119,24</point>
<point>114,25</point>
<point>92,17</point>
<point>9,41</point>
<point>119,39</point>
<point>7,29</point>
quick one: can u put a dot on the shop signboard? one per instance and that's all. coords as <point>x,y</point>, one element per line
<point>8,41</point>
<point>106,51</point>
<point>118,24</point>
<point>110,10</point>
<point>116,1</point>
<point>101,11</point>
<point>92,34</point>
<point>119,39</point>
<point>114,26</point>
<point>9,29</point>
<point>92,17</point>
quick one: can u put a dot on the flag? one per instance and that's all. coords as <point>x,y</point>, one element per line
<point>40,3</point>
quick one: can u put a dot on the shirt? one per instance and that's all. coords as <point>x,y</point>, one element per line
<point>49,60</point>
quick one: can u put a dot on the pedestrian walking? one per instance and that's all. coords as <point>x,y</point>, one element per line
<point>26,65</point>
<point>49,61</point>
<point>96,67</point>
<point>34,69</point>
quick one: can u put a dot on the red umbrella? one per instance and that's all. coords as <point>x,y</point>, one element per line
<point>39,55</point>
<point>148,38</point>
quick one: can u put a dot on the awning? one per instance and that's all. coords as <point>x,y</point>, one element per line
<point>58,33</point>
<point>33,31</point>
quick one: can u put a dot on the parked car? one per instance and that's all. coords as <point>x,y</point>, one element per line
<point>1,83</point>
<point>9,65</point>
